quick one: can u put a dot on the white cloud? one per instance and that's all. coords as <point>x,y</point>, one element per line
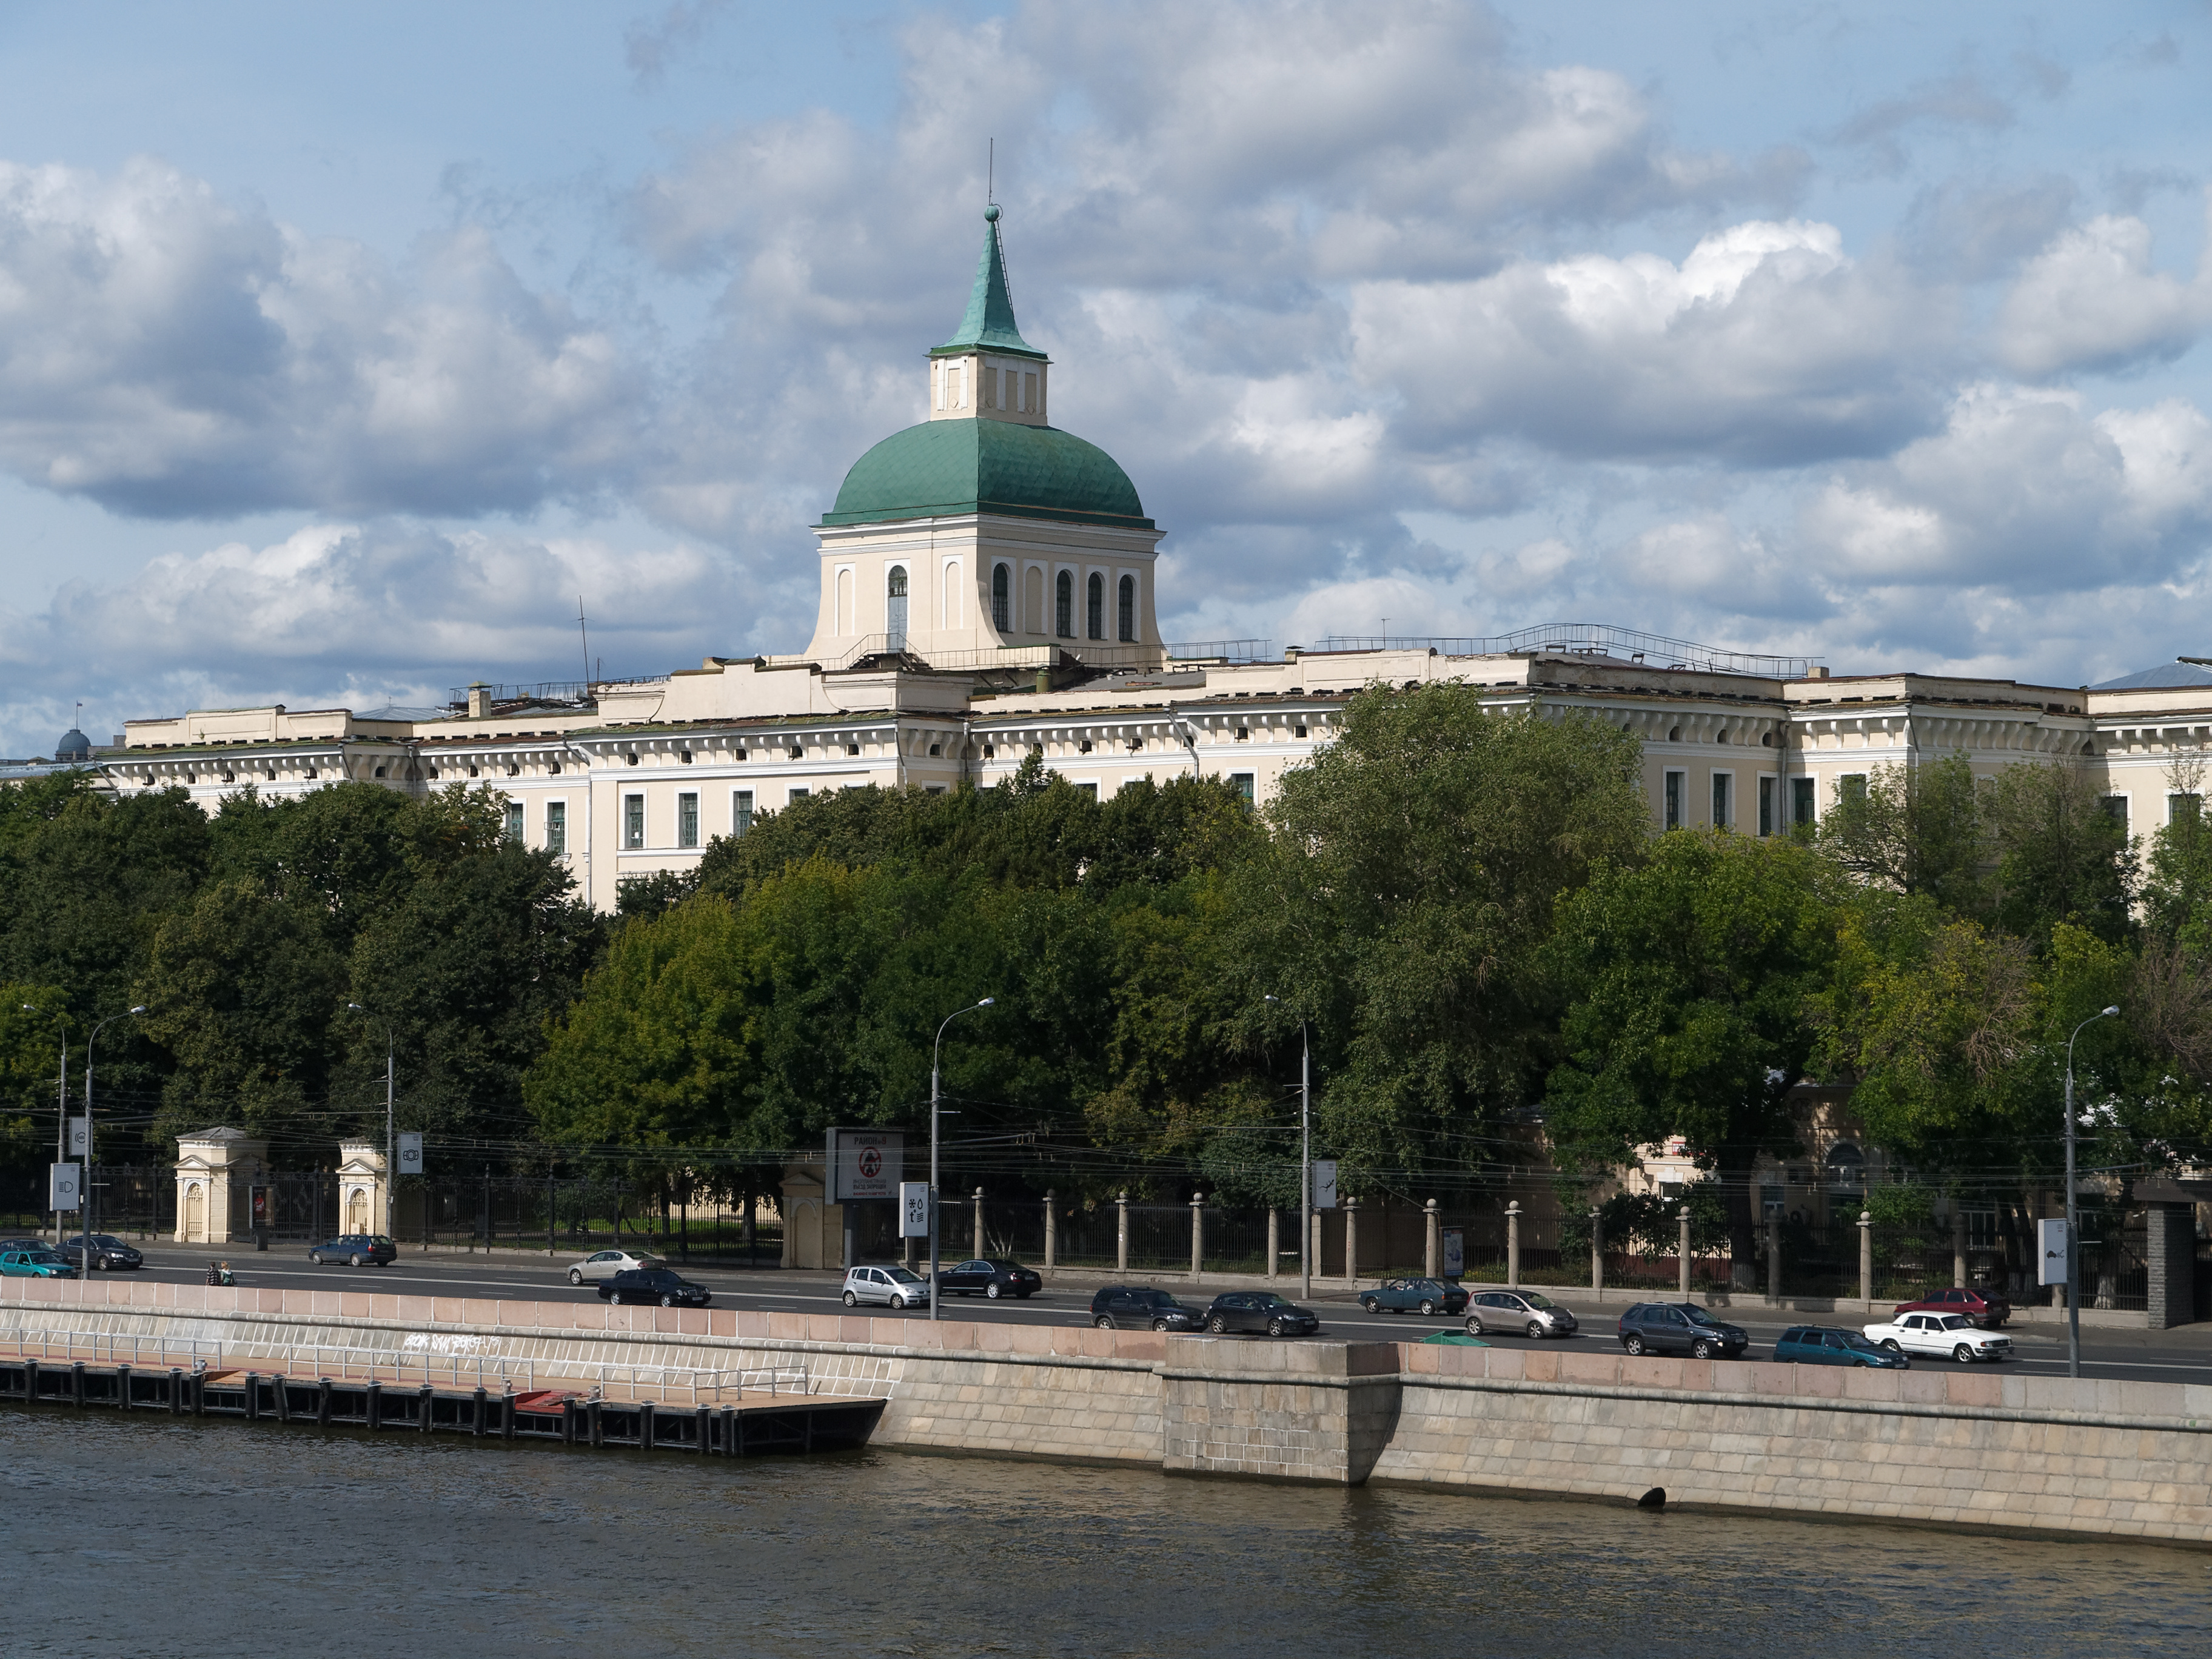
<point>2092,299</point>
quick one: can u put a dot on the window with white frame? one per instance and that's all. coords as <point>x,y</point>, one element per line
<point>1677,786</point>
<point>687,820</point>
<point>741,811</point>
<point>556,826</point>
<point>634,821</point>
<point>515,820</point>
<point>1767,805</point>
<point>1724,799</point>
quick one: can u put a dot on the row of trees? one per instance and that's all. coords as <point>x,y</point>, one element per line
<point>1465,913</point>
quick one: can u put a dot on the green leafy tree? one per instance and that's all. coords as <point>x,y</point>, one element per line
<point>1915,830</point>
<point>2061,855</point>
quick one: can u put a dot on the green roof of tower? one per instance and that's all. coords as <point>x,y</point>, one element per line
<point>946,467</point>
<point>990,322</point>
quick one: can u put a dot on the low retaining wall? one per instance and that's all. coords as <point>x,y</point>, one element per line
<point>1986,1448</point>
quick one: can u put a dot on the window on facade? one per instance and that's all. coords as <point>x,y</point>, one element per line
<point>2115,808</point>
<point>1129,607</point>
<point>1852,787</point>
<point>799,794</point>
<point>2178,807</point>
<point>895,608</point>
<point>515,820</point>
<point>1063,612</point>
<point>1242,783</point>
<point>633,820</point>
<point>1028,394</point>
<point>741,811</point>
<point>1096,607</point>
<point>1090,789</point>
<point>1675,781</point>
<point>1771,1200</point>
<point>1766,806</point>
<point>687,820</point>
<point>1800,800</point>
<point>556,826</point>
<point>1002,597</point>
<point>1721,815</point>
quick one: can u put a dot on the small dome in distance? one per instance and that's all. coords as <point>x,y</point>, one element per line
<point>74,746</point>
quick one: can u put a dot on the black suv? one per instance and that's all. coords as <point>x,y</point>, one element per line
<point>1681,1327</point>
<point>1139,1307</point>
<point>662,1285</point>
<point>355,1249</point>
<point>108,1252</point>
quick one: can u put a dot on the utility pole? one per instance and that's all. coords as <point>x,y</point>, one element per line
<point>933,1230</point>
<point>391,1168</point>
<point>86,1214</point>
<point>61,1107</point>
<point>1305,1157</point>
<point>2072,1217</point>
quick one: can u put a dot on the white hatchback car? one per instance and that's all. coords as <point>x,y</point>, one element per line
<point>895,1287</point>
<point>605,1264</point>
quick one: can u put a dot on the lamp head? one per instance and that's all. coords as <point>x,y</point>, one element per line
<point>355,1008</point>
<point>140,1009</point>
<point>2114,1009</point>
<point>30,1010</point>
<point>987,1002</point>
<point>1268,999</point>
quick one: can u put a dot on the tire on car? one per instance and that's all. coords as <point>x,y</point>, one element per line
<point>575,1275</point>
<point>353,1262</point>
<point>1963,1354</point>
<point>1105,1322</point>
<point>1218,1325</point>
<point>1633,1342</point>
<point>852,1301</point>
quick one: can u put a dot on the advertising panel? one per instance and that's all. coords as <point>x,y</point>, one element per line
<point>865,1163</point>
<point>2051,1235</point>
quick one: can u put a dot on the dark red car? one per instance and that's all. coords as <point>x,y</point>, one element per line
<point>1983,1308</point>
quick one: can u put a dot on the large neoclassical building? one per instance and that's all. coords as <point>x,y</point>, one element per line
<point>988,593</point>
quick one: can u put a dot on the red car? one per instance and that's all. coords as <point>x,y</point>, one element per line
<point>1983,1308</point>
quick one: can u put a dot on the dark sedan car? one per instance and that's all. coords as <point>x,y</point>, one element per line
<point>1258,1311</point>
<point>993,1278</point>
<point>1139,1307</point>
<point>635,1286</point>
<point>1987,1308</point>
<point>1681,1327</point>
<point>108,1252</point>
<point>354,1249</point>
<point>1424,1296</point>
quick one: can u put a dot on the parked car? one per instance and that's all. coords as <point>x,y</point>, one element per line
<point>662,1285</point>
<point>991,1276</point>
<point>7,1244</point>
<point>1987,1308</point>
<point>605,1264</point>
<point>1681,1327</point>
<point>356,1249</point>
<point>108,1252</point>
<point>1139,1307</point>
<point>1258,1311</point>
<point>1940,1333</point>
<point>1428,1297</point>
<point>41,1263</point>
<point>1823,1345</point>
<point>896,1287</point>
<point>1530,1312</point>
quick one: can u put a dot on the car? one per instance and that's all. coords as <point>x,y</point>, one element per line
<point>1429,1297</point>
<point>1941,1334</point>
<point>1987,1308</point>
<point>1530,1312</point>
<point>1139,1307</point>
<point>646,1285</point>
<point>1258,1311</point>
<point>605,1264</point>
<point>354,1249</point>
<point>108,1252</point>
<point>993,1277</point>
<point>897,1287</point>
<point>41,1263</point>
<point>1681,1327</point>
<point>1826,1344</point>
<point>7,1244</point>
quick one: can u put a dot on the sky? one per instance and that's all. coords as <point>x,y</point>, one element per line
<point>345,351</point>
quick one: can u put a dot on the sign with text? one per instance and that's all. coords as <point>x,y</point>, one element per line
<point>1324,1171</point>
<point>410,1153</point>
<point>865,1163</point>
<point>2051,1235</point>
<point>913,1209</point>
<point>79,1137</point>
<point>1455,1253</point>
<point>260,1206</point>
<point>65,1186</point>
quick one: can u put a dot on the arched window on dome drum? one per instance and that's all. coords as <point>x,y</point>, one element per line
<point>1095,612</point>
<point>1129,607</point>
<point>1002,598</point>
<point>895,608</point>
<point>1063,611</point>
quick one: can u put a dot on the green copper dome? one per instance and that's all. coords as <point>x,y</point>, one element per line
<point>946,467</point>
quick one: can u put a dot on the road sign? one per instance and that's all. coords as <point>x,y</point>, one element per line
<point>79,1137</point>
<point>65,1185</point>
<point>411,1153</point>
<point>865,1163</point>
<point>1324,1183</point>
<point>1455,1253</point>
<point>2052,1235</point>
<point>913,1209</point>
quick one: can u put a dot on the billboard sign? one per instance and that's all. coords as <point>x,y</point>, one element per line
<point>865,1163</point>
<point>1455,1253</point>
<point>2051,1235</point>
<point>1324,1179</point>
<point>913,1209</point>
<point>411,1153</point>
<point>79,1137</point>
<point>65,1186</point>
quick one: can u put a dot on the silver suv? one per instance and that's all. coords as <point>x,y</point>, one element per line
<point>895,1287</point>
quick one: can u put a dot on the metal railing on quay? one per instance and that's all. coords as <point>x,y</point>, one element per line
<point>114,1348</point>
<point>696,1385</point>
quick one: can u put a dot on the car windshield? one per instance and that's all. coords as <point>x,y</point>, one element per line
<point>901,1276</point>
<point>1536,1301</point>
<point>1696,1316</point>
<point>1956,1322</point>
<point>42,1257</point>
<point>1853,1339</point>
<point>1269,1300</point>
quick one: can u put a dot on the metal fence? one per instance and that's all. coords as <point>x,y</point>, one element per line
<point>578,1213</point>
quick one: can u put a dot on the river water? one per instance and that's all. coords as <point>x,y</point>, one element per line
<point>145,1535</point>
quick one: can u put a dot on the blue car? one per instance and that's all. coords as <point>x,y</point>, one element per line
<point>1828,1345</point>
<point>1429,1296</point>
<point>34,1264</point>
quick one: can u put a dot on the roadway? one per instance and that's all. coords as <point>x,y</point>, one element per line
<point>2183,1355</point>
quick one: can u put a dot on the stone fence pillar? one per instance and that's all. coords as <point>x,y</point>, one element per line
<point>2172,1250</point>
<point>1274,1239</point>
<point>1121,1234</point>
<point>1866,1255</point>
<point>1597,1251</point>
<point>1682,1257</point>
<point>1197,1234</point>
<point>1774,1257</point>
<point>1352,1240</point>
<point>1958,1243</point>
<point>1513,1245</point>
<point>979,1221</point>
<point>1432,1261</point>
<point>1051,1231</point>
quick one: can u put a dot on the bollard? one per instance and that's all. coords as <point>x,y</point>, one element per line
<point>645,1426</point>
<point>123,1387</point>
<point>729,1433</point>
<point>176,1392</point>
<point>568,1422</point>
<point>323,1403</point>
<point>199,1394</point>
<point>507,1417</point>
<point>699,1420</point>
<point>375,1410</point>
<point>422,1411</point>
<point>281,1385</point>
<point>76,1382</point>
<point>252,1398</point>
<point>476,1420</point>
<point>598,1433</point>
<point>30,1381</point>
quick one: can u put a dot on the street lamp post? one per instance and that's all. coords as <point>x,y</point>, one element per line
<point>2072,1219</point>
<point>934,1052</point>
<point>61,1107</point>
<point>1305,1158</point>
<point>86,1213</point>
<point>390,1171</point>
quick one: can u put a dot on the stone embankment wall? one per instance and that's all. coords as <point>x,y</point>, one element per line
<point>1986,1448</point>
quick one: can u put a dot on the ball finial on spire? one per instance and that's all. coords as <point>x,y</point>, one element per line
<point>991,214</point>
